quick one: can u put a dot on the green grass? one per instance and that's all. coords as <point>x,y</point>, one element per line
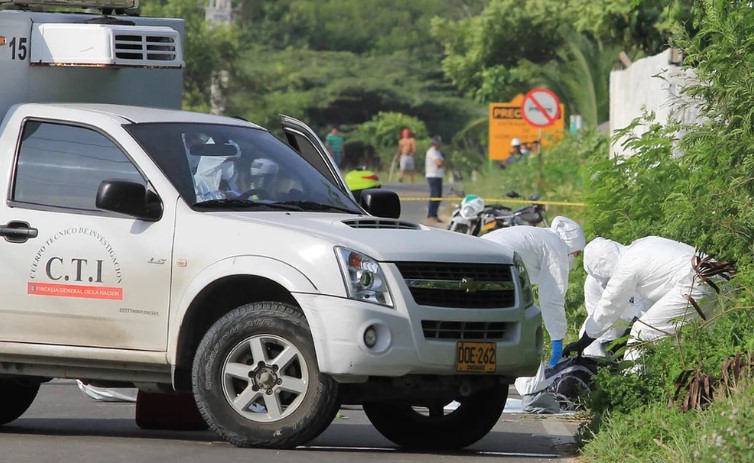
<point>722,433</point>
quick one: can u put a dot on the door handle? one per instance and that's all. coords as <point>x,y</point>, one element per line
<point>18,232</point>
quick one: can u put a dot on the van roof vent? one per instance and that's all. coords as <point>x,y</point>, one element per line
<point>106,45</point>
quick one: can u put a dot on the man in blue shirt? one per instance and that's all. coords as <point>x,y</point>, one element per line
<point>334,143</point>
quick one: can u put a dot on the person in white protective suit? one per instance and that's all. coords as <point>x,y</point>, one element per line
<point>600,257</point>
<point>548,256</point>
<point>215,176</point>
<point>676,283</point>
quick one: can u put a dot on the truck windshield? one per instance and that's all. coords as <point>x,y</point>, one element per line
<point>231,167</point>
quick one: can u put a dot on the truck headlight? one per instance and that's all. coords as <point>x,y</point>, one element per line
<point>363,277</point>
<point>527,296</point>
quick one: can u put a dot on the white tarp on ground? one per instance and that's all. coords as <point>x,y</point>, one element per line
<point>511,406</point>
<point>108,395</point>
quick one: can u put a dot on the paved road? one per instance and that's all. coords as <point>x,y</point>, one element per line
<point>63,425</point>
<point>414,209</point>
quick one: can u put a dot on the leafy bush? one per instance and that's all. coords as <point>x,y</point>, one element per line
<point>561,179</point>
<point>623,393</point>
<point>383,131</point>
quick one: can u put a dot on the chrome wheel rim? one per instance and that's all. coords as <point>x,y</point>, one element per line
<point>265,378</point>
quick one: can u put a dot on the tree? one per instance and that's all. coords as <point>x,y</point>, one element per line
<point>343,88</point>
<point>206,49</point>
<point>581,74</point>
<point>383,130</point>
<point>513,45</point>
<point>483,52</point>
<point>357,26</point>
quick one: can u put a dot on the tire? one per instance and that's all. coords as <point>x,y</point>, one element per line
<point>476,228</point>
<point>256,380</point>
<point>436,429</point>
<point>459,227</point>
<point>16,396</point>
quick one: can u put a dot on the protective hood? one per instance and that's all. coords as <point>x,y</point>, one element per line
<point>210,172</point>
<point>600,257</point>
<point>570,232</point>
<point>264,166</point>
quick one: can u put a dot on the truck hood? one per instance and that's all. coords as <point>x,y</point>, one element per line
<point>386,240</point>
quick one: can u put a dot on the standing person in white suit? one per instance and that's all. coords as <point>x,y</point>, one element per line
<point>548,256</point>
<point>677,283</point>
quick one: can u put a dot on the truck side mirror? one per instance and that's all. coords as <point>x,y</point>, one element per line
<point>381,203</point>
<point>129,198</point>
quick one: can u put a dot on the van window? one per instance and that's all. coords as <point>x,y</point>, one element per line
<point>62,165</point>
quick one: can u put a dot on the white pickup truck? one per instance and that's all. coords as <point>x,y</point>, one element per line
<point>188,253</point>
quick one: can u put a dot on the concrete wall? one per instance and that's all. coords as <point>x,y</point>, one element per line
<point>653,84</point>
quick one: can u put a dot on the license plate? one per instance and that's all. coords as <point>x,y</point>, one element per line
<point>475,357</point>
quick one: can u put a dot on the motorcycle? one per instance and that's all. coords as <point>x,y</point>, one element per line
<point>474,217</point>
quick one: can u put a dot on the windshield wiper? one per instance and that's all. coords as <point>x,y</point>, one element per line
<point>235,204</point>
<point>315,206</point>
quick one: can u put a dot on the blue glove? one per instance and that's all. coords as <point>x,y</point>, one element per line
<point>556,353</point>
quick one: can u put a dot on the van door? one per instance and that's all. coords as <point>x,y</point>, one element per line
<point>303,139</point>
<point>72,274</point>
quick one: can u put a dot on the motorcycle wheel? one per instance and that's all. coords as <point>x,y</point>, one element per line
<point>458,227</point>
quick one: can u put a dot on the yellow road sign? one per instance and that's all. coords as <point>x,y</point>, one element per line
<point>507,123</point>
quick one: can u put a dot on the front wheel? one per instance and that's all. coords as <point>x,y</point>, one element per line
<point>256,380</point>
<point>16,396</point>
<point>432,427</point>
<point>458,227</point>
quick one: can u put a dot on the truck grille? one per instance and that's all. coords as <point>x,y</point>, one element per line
<point>144,47</point>
<point>480,331</point>
<point>474,286</point>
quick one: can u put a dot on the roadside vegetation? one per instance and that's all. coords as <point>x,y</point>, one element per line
<point>692,399</point>
<point>697,189</point>
<point>435,65</point>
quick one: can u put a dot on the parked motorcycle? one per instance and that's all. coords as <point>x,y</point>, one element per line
<point>474,217</point>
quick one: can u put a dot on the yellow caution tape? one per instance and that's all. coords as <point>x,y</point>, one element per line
<point>499,200</point>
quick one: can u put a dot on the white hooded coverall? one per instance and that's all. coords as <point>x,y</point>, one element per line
<point>545,253</point>
<point>659,271</point>
<point>600,257</point>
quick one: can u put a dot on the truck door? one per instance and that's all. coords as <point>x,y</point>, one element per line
<point>303,139</point>
<point>72,274</point>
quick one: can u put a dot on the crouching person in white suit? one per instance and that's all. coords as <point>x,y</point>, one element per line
<point>677,283</point>
<point>600,257</point>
